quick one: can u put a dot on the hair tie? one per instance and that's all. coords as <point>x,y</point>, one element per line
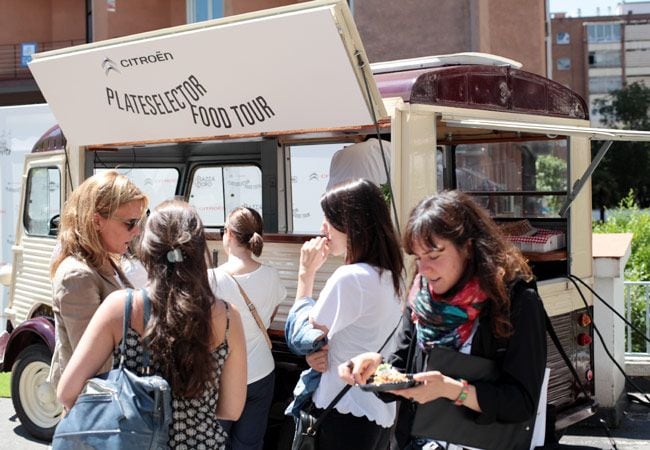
<point>175,255</point>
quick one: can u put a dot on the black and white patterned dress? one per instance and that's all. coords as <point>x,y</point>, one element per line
<point>194,421</point>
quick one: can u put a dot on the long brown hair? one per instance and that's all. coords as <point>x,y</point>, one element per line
<point>101,194</point>
<point>359,210</point>
<point>454,216</point>
<point>180,327</point>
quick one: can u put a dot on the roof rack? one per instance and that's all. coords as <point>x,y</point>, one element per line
<point>452,59</point>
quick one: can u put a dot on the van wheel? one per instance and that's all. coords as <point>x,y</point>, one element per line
<point>33,397</point>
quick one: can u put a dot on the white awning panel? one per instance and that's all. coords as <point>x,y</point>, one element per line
<point>599,134</point>
<point>281,70</point>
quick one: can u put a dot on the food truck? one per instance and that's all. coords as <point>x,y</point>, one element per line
<point>249,109</point>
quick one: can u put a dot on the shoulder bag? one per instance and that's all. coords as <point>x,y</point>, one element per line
<point>253,311</point>
<point>306,435</point>
<point>443,421</point>
<point>119,410</point>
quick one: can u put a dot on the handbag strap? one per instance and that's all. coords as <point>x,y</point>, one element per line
<point>314,427</point>
<point>253,310</point>
<point>128,303</point>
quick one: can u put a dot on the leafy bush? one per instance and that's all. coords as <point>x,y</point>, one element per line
<point>629,218</point>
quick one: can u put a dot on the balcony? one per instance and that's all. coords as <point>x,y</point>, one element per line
<point>11,68</point>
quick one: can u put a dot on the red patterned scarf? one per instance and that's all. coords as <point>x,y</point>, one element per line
<point>442,321</point>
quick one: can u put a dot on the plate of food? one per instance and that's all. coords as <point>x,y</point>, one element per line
<point>388,378</point>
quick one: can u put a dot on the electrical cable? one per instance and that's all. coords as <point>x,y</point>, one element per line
<point>361,64</point>
<point>571,278</point>
<point>608,433</point>
<point>611,308</point>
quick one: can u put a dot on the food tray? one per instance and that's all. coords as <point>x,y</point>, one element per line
<point>371,387</point>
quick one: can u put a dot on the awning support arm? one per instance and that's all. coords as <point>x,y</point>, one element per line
<point>580,182</point>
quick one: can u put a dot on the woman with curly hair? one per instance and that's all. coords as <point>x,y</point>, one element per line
<point>472,294</point>
<point>196,340</point>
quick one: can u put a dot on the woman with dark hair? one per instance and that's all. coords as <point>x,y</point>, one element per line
<point>472,294</point>
<point>357,309</point>
<point>256,290</point>
<point>196,340</point>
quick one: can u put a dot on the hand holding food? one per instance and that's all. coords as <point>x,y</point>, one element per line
<point>431,386</point>
<point>388,378</point>
<point>360,368</point>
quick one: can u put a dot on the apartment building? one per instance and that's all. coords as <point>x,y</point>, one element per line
<point>598,54</point>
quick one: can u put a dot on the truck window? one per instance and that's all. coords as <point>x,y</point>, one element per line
<point>216,190</point>
<point>515,180</point>
<point>42,201</point>
<point>159,184</point>
<point>309,175</point>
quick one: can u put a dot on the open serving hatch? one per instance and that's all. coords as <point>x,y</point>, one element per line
<point>276,71</point>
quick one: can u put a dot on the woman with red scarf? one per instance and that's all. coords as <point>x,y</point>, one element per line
<point>473,294</point>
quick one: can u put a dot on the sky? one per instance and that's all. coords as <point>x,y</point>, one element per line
<point>587,7</point>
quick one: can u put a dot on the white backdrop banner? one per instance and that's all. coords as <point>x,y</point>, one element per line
<point>283,72</point>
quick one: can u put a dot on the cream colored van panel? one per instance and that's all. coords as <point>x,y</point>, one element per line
<point>561,297</point>
<point>415,156</point>
<point>580,211</point>
<point>285,257</point>
<point>31,287</point>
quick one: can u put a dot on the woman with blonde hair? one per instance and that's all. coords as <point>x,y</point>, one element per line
<point>256,289</point>
<point>196,340</point>
<point>98,221</point>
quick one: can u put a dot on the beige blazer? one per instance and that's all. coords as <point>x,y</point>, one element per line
<point>77,290</point>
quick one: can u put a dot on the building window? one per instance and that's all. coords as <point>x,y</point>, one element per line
<point>199,10</point>
<point>563,64</point>
<point>606,58</point>
<point>604,85</point>
<point>563,37</point>
<point>604,32</point>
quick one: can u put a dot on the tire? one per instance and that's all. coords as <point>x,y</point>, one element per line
<point>33,397</point>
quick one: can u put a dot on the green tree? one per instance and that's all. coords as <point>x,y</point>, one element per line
<point>551,176</point>
<point>629,218</point>
<point>626,164</point>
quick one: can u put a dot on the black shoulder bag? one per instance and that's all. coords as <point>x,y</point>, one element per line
<point>306,436</point>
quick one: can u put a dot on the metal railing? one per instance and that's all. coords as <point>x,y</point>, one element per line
<point>637,311</point>
<point>10,58</point>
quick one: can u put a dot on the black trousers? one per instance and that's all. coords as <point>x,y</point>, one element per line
<point>348,432</point>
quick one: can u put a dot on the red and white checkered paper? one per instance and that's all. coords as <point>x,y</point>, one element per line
<point>544,240</point>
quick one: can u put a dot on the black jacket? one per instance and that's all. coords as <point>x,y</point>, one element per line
<point>520,357</point>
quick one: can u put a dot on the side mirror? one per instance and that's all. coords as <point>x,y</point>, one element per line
<point>54,225</point>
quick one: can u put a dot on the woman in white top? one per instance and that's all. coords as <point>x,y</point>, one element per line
<point>242,275</point>
<point>357,309</point>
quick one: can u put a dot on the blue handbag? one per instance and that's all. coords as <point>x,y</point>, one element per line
<point>119,409</point>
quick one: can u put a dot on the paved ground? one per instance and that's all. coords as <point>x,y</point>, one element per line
<point>633,433</point>
<point>13,435</point>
